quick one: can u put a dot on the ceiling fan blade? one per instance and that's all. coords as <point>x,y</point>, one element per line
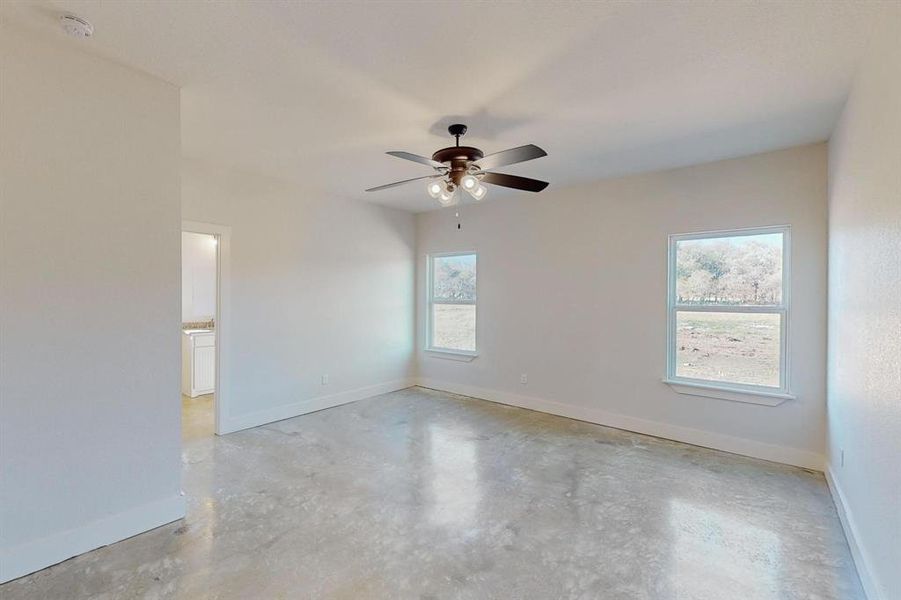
<point>510,157</point>
<point>416,158</point>
<point>397,183</point>
<point>514,181</point>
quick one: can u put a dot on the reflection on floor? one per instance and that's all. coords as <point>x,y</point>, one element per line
<point>197,419</point>
<point>420,494</point>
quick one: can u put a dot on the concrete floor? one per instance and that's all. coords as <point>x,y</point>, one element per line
<point>421,494</point>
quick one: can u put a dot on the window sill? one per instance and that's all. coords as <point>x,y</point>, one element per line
<point>723,392</point>
<point>460,356</point>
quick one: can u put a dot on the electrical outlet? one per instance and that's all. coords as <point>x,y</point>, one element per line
<point>325,379</point>
<point>524,378</point>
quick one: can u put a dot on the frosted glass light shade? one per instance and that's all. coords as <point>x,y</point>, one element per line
<point>479,192</point>
<point>469,182</point>
<point>447,198</point>
<point>434,188</point>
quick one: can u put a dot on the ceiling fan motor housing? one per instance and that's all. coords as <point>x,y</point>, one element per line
<point>459,158</point>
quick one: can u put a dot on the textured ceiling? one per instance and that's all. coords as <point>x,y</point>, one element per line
<point>317,92</point>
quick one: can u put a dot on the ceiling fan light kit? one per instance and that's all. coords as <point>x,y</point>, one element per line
<point>467,168</point>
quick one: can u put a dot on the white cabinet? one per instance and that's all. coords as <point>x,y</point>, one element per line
<point>198,362</point>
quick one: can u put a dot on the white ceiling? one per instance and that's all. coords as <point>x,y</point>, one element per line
<point>317,92</point>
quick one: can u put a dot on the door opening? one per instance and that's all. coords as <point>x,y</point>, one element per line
<point>204,262</point>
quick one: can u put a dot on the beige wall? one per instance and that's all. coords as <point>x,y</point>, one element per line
<point>572,291</point>
<point>319,286</point>
<point>89,326</point>
<point>865,312</point>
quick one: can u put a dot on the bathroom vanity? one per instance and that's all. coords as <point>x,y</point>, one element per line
<point>198,362</point>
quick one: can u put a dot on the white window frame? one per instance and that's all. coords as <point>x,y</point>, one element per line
<point>726,390</point>
<point>452,353</point>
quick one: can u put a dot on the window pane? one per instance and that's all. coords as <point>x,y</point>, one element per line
<point>454,326</point>
<point>728,347</point>
<point>454,277</point>
<point>736,270</point>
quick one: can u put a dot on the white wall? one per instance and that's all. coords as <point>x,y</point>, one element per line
<point>89,326</point>
<point>864,364</point>
<point>319,285</point>
<point>572,291</point>
<point>198,276</point>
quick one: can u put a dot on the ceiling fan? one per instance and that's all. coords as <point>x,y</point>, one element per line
<point>467,168</point>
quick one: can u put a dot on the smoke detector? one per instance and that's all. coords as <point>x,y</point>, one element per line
<point>76,26</point>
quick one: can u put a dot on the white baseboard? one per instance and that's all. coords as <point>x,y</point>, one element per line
<point>867,579</point>
<point>697,437</point>
<point>29,557</point>
<point>287,411</point>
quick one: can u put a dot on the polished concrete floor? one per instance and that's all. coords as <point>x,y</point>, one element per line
<point>421,494</point>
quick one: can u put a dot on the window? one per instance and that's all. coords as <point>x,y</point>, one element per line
<point>728,310</point>
<point>452,303</point>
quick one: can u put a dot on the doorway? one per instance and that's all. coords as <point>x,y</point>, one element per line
<point>204,270</point>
